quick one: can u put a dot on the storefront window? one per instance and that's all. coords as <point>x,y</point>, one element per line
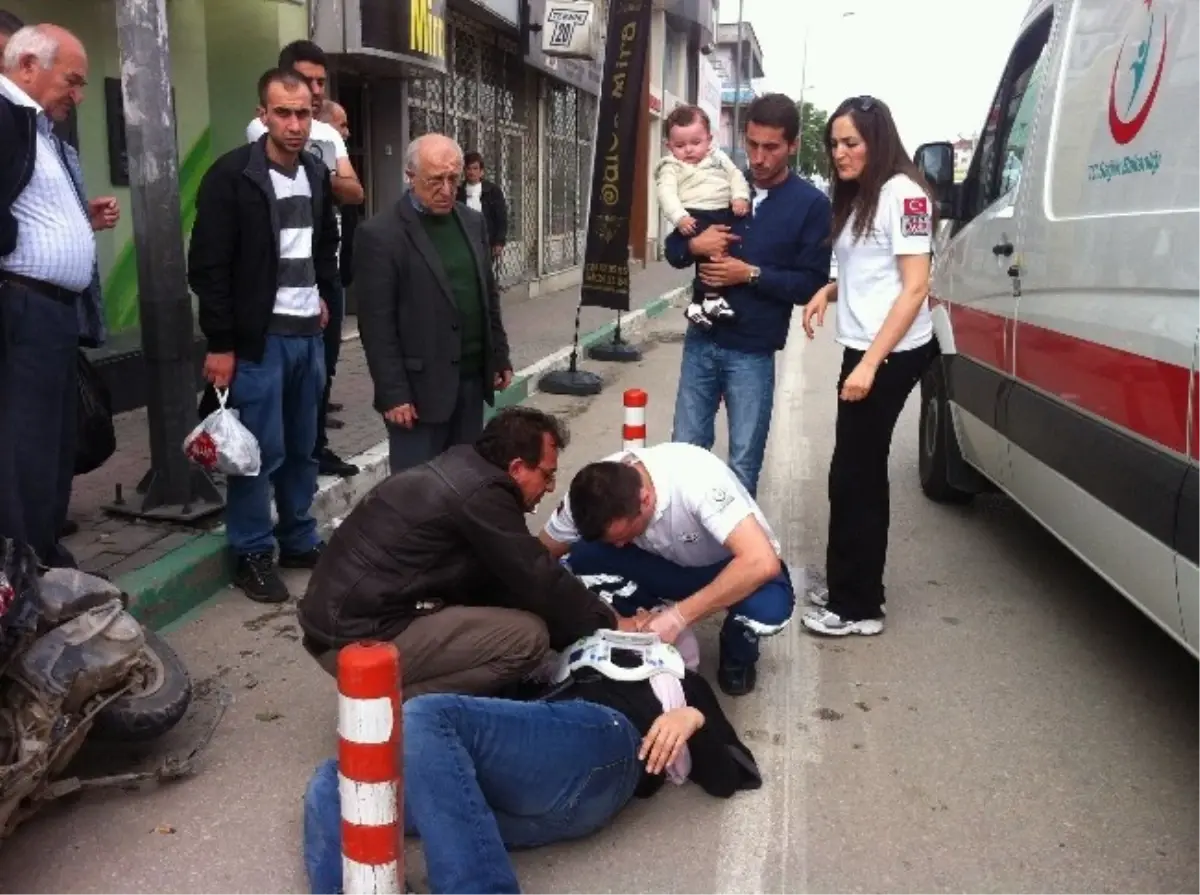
<point>570,116</point>
<point>487,103</point>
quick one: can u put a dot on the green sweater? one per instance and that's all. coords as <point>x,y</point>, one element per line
<point>452,247</point>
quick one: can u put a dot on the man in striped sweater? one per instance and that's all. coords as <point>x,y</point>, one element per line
<point>263,264</point>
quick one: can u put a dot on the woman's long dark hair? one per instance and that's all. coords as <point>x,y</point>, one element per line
<point>885,159</point>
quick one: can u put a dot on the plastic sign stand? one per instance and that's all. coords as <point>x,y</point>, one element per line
<point>571,30</point>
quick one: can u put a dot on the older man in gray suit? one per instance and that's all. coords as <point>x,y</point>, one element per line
<point>429,310</point>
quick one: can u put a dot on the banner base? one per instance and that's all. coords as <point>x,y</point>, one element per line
<point>576,383</point>
<point>615,351</point>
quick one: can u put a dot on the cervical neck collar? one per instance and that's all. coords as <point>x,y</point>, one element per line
<point>621,656</point>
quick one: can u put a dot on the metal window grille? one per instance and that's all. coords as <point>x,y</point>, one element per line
<point>570,116</point>
<point>488,102</point>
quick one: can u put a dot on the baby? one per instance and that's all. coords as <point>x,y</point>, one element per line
<point>698,186</point>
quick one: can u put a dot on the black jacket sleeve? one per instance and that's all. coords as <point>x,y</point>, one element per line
<point>499,222</point>
<point>376,282</point>
<point>210,258</point>
<point>500,348</point>
<point>325,252</point>
<point>721,764</point>
<point>494,526</point>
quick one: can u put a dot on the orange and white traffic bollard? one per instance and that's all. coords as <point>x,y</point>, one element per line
<point>370,769</point>
<point>634,430</point>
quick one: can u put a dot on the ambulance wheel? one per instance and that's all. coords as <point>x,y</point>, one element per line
<point>937,440</point>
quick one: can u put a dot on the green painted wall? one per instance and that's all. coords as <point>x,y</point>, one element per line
<point>218,50</point>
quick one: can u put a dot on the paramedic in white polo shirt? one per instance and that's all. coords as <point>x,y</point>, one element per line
<point>883,224</point>
<point>678,526</point>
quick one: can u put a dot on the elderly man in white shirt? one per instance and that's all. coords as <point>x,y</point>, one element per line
<point>671,525</point>
<point>47,267</point>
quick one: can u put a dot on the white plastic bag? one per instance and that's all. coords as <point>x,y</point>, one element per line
<point>222,444</point>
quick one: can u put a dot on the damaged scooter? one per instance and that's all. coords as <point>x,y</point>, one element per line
<point>75,664</point>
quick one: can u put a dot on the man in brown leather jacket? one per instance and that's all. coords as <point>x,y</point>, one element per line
<point>439,559</point>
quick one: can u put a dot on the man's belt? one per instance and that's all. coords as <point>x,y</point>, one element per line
<point>41,287</point>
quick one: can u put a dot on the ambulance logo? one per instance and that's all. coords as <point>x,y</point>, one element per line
<point>1137,74</point>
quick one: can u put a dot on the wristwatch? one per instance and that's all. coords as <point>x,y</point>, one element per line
<point>755,272</point>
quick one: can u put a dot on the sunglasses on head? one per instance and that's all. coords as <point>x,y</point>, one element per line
<point>862,103</point>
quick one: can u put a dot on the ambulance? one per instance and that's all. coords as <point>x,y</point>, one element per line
<point>1066,297</point>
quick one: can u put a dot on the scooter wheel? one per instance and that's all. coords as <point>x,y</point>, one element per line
<point>151,710</point>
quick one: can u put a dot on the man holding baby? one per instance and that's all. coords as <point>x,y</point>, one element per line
<point>754,267</point>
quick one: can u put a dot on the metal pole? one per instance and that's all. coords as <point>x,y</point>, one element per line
<point>737,81</point>
<point>803,84</point>
<point>174,490</point>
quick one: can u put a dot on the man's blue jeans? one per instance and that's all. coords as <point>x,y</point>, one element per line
<point>747,382</point>
<point>482,776</point>
<point>277,399</point>
<point>762,614</point>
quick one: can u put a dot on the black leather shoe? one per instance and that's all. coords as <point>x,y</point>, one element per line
<point>306,560</point>
<point>736,680</point>
<point>334,407</point>
<point>69,528</point>
<point>257,577</point>
<point>329,463</point>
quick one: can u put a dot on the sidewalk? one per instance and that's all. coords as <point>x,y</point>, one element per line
<point>168,569</point>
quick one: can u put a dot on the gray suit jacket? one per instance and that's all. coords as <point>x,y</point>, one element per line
<point>410,324</point>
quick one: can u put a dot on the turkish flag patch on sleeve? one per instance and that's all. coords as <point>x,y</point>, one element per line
<point>916,206</point>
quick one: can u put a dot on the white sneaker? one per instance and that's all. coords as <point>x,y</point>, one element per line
<point>695,314</point>
<point>717,308</point>
<point>822,621</point>
<point>818,595</point>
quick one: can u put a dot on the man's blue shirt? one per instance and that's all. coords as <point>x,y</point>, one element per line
<point>787,238</point>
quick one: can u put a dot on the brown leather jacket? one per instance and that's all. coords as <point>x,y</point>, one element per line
<point>449,532</point>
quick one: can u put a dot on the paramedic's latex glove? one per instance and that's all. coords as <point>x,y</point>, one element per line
<point>667,737</point>
<point>667,623</point>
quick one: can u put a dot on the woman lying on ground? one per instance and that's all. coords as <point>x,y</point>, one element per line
<point>483,775</point>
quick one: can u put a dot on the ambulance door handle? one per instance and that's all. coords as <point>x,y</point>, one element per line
<point>1002,248</point>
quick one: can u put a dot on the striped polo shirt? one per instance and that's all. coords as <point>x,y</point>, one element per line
<point>297,301</point>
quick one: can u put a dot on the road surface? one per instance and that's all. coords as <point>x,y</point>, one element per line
<point>1018,727</point>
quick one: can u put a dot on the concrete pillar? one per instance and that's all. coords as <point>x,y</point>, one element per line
<point>173,489</point>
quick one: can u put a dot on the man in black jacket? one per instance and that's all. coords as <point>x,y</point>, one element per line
<point>263,264</point>
<point>487,198</point>
<point>439,559</point>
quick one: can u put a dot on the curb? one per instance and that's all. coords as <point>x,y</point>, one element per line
<point>173,585</point>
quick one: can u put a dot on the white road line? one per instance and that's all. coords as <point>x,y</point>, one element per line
<point>764,834</point>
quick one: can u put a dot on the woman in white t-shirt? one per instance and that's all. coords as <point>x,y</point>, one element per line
<point>883,220</point>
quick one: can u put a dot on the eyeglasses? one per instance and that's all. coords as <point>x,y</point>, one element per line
<point>446,180</point>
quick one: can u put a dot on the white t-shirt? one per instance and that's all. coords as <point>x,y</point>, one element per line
<point>324,142</point>
<point>759,195</point>
<point>700,502</point>
<point>869,275</point>
<point>475,196</point>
